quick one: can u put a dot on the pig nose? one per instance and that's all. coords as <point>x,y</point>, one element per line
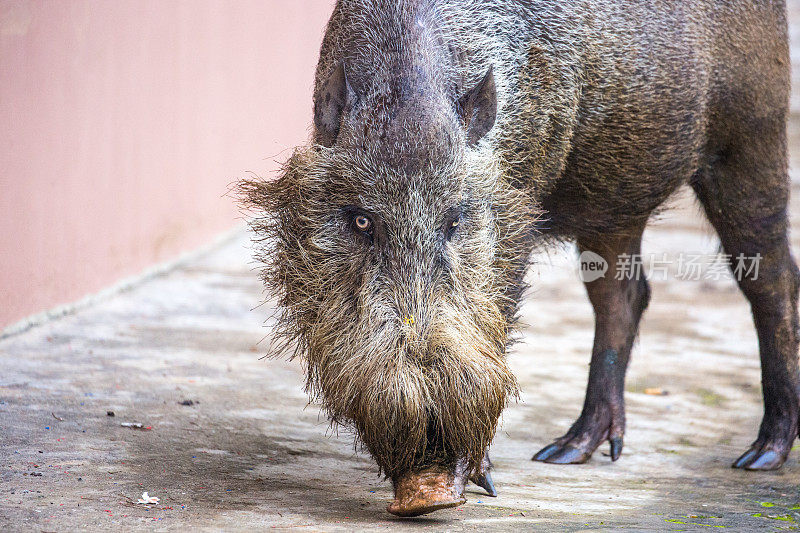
<point>413,325</point>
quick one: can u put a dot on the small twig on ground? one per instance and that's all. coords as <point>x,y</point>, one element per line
<point>136,425</point>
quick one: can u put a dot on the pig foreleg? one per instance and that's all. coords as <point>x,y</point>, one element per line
<point>619,299</point>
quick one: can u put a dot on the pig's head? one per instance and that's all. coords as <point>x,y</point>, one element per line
<point>397,252</point>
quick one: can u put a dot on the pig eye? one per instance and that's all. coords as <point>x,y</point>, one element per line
<point>359,221</point>
<point>452,222</point>
<point>363,223</point>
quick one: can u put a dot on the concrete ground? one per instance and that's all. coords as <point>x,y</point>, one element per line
<point>250,453</point>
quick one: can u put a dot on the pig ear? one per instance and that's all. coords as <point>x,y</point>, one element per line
<point>330,101</point>
<point>478,108</point>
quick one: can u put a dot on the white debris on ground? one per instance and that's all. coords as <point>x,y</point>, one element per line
<point>146,499</point>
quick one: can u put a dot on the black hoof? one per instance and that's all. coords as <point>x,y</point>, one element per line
<point>757,458</point>
<point>484,481</point>
<point>566,454</point>
<point>546,452</point>
<point>562,455</point>
<point>616,448</point>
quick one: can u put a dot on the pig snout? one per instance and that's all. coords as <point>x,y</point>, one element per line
<point>419,493</point>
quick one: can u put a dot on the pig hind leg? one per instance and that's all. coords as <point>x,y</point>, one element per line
<point>618,306</point>
<point>744,191</point>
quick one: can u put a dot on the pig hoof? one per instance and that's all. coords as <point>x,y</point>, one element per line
<point>482,476</point>
<point>484,481</point>
<point>758,458</point>
<point>546,452</point>
<point>422,493</point>
<point>578,445</point>
<point>562,455</point>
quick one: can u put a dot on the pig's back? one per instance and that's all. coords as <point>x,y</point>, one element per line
<point>633,93</point>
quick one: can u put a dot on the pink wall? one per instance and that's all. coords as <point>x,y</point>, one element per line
<point>123,123</point>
